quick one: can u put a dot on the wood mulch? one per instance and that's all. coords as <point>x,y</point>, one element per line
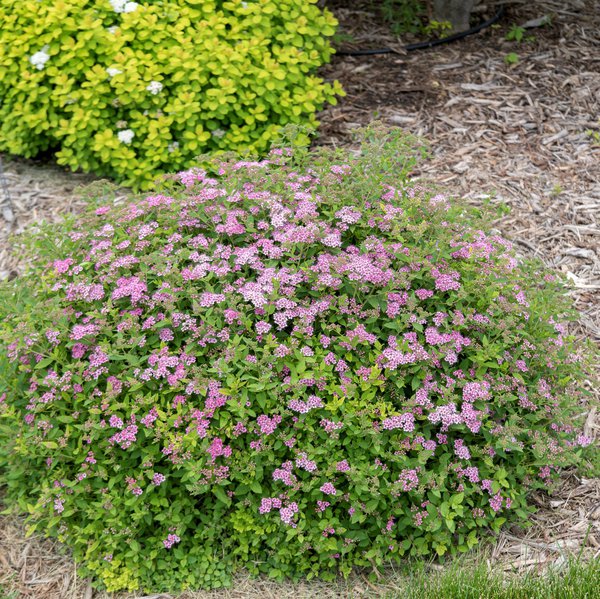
<point>516,134</point>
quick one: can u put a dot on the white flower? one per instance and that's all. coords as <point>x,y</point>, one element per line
<point>172,146</point>
<point>112,71</point>
<point>123,6</point>
<point>118,5</point>
<point>125,136</point>
<point>218,133</point>
<point>39,59</point>
<point>112,29</point>
<point>154,87</point>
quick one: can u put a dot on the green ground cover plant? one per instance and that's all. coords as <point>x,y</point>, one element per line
<point>128,90</point>
<point>298,365</point>
<point>404,16</point>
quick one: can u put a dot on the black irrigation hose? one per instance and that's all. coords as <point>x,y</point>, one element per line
<point>429,44</point>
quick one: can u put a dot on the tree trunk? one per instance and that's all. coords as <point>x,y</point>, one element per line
<point>457,12</point>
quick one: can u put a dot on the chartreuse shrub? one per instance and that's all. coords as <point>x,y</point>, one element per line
<point>297,365</point>
<point>131,89</point>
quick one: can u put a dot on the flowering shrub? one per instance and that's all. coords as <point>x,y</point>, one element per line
<point>129,89</point>
<point>298,365</point>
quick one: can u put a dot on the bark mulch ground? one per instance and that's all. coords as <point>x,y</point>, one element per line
<point>515,134</point>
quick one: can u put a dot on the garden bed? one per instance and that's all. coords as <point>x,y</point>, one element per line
<point>515,133</point>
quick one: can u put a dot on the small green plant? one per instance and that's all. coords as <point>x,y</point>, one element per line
<point>594,135</point>
<point>515,34</point>
<point>437,28</point>
<point>340,37</point>
<point>404,16</point>
<point>511,58</point>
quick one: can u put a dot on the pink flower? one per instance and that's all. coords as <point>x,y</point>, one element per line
<point>80,331</point>
<point>218,448</point>
<point>331,426</point>
<point>268,425</point>
<point>266,505</point>
<point>496,502</point>
<point>342,466</point>
<point>474,391</point>
<point>62,266</point>
<point>115,422</point>
<point>262,327</point>
<point>287,513</point>
<point>461,450</point>
<point>303,462</point>
<point>328,489</point>
<point>149,418</point>
<point>408,480</point>
<point>584,440</point>
<point>132,287</point>
<point>166,334</point>
<point>126,437</point>
<point>98,357</point>
<point>158,479</point>
<point>53,336</point>
<point>423,294</point>
<point>170,541</point>
<point>404,421</point>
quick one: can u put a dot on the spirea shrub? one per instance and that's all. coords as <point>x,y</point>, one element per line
<point>129,89</point>
<point>297,365</point>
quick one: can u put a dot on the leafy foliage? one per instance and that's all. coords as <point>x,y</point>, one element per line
<point>128,90</point>
<point>404,16</point>
<point>298,365</point>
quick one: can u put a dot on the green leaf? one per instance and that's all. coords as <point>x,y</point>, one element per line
<point>221,495</point>
<point>45,362</point>
<point>457,499</point>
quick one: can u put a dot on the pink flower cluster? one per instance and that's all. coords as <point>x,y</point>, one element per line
<point>313,402</point>
<point>126,437</point>
<point>171,540</point>
<point>406,422</point>
<point>409,479</point>
<point>328,489</point>
<point>268,425</point>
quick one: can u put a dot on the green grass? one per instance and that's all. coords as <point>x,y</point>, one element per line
<point>576,581</point>
<point>7,594</point>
